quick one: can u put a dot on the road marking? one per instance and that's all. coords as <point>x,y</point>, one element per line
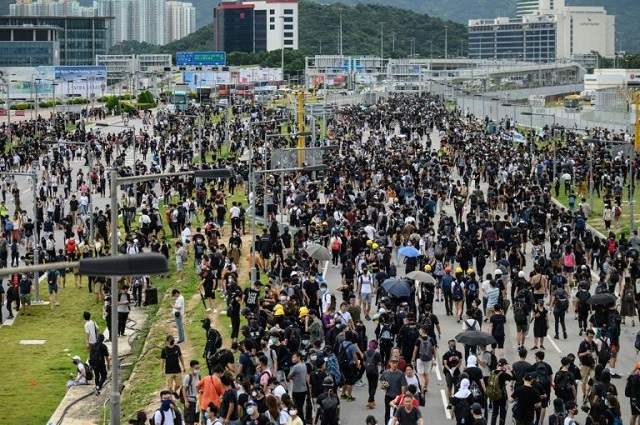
<point>26,190</point>
<point>326,267</point>
<point>445,403</point>
<point>438,375</point>
<point>554,344</point>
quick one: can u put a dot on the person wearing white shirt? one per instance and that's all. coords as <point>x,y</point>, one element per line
<point>178,313</point>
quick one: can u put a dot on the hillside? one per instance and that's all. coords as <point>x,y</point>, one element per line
<point>320,26</point>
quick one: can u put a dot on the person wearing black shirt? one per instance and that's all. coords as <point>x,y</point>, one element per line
<point>251,297</point>
<point>264,245</point>
<point>521,366</point>
<point>587,352</point>
<point>528,399</point>
<point>228,403</point>
<point>451,361</point>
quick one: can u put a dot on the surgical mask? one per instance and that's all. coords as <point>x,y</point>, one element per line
<point>250,411</point>
<point>166,405</point>
<point>283,298</point>
<point>272,341</point>
<point>314,358</point>
<point>323,290</point>
<point>293,412</point>
<point>205,415</point>
<point>196,372</point>
<point>305,342</point>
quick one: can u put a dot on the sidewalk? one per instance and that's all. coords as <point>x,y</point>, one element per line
<point>80,406</point>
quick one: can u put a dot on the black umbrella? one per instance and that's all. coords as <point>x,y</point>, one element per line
<point>603,298</point>
<point>475,338</point>
<point>397,287</point>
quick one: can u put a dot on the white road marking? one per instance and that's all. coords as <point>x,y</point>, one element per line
<point>554,344</point>
<point>326,267</point>
<point>26,190</point>
<point>445,403</point>
<point>438,375</point>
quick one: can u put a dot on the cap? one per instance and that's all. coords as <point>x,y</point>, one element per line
<point>476,408</point>
<point>76,357</point>
<point>503,362</point>
<point>458,269</point>
<point>520,273</point>
<point>328,382</point>
<point>427,268</point>
<point>251,403</point>
<point>304,311</point>
<point>528,376</point>
<point>497,272</point>
<point>394,359</point>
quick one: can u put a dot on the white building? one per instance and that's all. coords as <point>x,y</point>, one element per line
<point>180,20</point>
<point>139,20</point>
<point>528,7</point>
<point>282,22</point>
<point>49,8</point>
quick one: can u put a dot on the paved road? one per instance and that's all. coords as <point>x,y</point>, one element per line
<point>354,413</point>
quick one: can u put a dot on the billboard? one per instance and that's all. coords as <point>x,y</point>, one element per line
<point>254,75</point>
<point>201,58</point>
<point>195,79</point>
<point>69,80</point>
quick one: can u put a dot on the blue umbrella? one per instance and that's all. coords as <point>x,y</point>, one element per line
<point>398,287</point>
<point>408,251</point>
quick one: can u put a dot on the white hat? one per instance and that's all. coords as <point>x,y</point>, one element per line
<point>520,273</point>
<point>498,272</point>
<point>76,357</point>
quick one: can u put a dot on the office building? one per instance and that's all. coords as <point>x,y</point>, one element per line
<point>123,67</point>
<point>29,46</point>
<point>548,32</point>
<point>180,20</point>
<point>258,25</point>
<point>80,38</point>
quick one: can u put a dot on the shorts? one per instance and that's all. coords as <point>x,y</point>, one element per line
<point>567,269</point>
<point>349,375</point>
<point>265,255</point>
<point>25,299</point>
<point>635,407</point>
<point>191,414</point>
<point>365,297</point>
<point>179,266</point>
<point>614,351</point>
<point>423,367</point>
<point>586,372</point>
<point>499,341</point>
<point>173,380</point>
<point>97,287</point>
<point>53,289</point>
<point>522,328</point>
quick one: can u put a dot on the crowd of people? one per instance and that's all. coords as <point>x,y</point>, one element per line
<point>493,248</point>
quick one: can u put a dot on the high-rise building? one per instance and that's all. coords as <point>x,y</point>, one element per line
<point>256,25</point>
<point>180,20</point>
<point>29,45</point>
<point>49,8</point>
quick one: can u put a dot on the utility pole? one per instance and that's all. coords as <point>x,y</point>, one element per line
<point>340,37</point>
<point>446,42</point>
<point>381,40</point>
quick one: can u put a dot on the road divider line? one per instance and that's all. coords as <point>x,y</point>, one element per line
<point>445,403</point>
<point>438,374</point>
<point>554,344</point>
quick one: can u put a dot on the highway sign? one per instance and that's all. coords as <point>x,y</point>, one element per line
<point>201,58</point>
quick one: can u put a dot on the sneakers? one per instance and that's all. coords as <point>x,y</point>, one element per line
<point>350,398</point>
<point>616,376</point>
<point>542,347</point>
<point>564,334</point>
<point>96,390</point>
<point>556,336</point>
<point>367,317</point>
<point>359,383</point>
<point>535,347</point>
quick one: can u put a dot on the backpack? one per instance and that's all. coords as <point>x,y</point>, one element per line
<point>632,388</point>
<point>335,245</point>
<point>456,291</point>
<point>214,342</point>
<point>563,381</point>
<point>343,354</point>
<point>184,256</point>
<point>542,374</point>
<point>370,365</point>
<point>617,211</point>
<point>88,372</point>
<point>494,390</point>
<point>583,297</point>
<point>628,295</point>
<point>616,419</point>
<point>94,355</point>
<point>199,248</point>
<point>426,349</point>
<point>580,223</point>
<point>471,327</point>
<point>563,303</point>
<point>386,337</point>
<point>329,408</point>
<point>604,353</point>
<point>462,411</point>
<point>519,313</point>
<point>176,420</point>
<point>476,394</point>
<point>611,246</point>
<point>568,260</point>
<point>637,343</point>
<point>182,387</point>
<point>294,337</point>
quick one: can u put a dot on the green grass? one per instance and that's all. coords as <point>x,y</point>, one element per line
<point>39,372</point>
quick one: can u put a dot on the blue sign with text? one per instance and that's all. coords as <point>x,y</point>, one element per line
<point>201,58</point>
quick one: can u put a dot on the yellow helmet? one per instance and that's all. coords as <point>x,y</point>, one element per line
<point>395,200</point>
<point>458,269</point>
<point>469,270</point>
<point>427,268</point>
<point>369,242</point>
<point>304,311</point>
<point>324,223</point>
<point>374,246</point>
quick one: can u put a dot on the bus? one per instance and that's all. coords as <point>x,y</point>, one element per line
<point>205,95</point>
<point>572,103</point>
<point>179,99</point>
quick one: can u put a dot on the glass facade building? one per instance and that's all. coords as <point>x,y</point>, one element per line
<point>80,38</point>
<point>29,46</point>
<point>517,39</point>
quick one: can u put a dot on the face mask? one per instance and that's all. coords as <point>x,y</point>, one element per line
<point>206,415</point>
<point>166,405</point>
<point>283,298</point>
<point>305,342</point>
<point>196,372</point>
<point>314,358</point>
<point>250,411</point>
<point>323,290</point>
<point>171,342</point>
<point>272,342</point>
